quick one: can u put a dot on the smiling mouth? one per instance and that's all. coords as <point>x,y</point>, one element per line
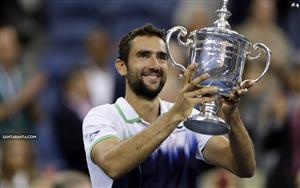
<point>152,77</point>
<point>152,73</point>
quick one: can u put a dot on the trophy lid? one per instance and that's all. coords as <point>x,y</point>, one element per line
<point>221,25</point>
<point>223,14</point>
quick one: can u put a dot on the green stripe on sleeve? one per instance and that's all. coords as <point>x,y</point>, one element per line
<point>100,140</point>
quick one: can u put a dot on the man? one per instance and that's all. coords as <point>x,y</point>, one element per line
<point>140,141</point>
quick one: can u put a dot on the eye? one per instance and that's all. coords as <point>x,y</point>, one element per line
<point>143,54</point>
<point>162,56</point>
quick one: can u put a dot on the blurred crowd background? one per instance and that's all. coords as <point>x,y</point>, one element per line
<point>57,61</point>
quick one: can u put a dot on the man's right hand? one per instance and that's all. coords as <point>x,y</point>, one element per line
<point>191,94</point>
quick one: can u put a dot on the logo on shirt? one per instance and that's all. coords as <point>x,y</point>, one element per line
<point>93,134</point>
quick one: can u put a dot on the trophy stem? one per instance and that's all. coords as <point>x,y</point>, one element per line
<point>207,121</point>
<point>210,108</point>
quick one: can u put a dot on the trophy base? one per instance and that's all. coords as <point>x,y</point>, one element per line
<point>207,125</point>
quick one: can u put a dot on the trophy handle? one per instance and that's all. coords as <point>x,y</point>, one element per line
<point>182,33</point>
<point>258,47</point>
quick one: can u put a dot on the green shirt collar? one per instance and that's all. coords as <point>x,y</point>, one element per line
<point>129,114</point>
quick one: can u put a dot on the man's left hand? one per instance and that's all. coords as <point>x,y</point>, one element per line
<point>229,103</point>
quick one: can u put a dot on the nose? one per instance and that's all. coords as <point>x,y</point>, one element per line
<point>154,61</point>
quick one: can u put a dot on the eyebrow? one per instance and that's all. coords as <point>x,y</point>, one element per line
<point>162,53</point>
<point>143,52</point>
<point>140,52</point>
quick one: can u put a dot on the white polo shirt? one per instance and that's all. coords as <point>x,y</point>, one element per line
<point>172,164</point>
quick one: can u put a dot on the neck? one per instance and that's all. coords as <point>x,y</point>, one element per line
<point>148,110</point>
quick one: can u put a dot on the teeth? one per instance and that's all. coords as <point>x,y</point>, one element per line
<point>150,73</point>
<point>153,75</point>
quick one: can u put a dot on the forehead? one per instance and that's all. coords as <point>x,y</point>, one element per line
<point>151,43</point>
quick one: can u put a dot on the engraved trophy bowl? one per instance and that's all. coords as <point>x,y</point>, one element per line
<point>222,53</point>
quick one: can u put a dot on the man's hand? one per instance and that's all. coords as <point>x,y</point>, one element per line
<point>191,94</point>
<point>229,104</point>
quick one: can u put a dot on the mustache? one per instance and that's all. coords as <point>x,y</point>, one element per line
<point>153,71</point>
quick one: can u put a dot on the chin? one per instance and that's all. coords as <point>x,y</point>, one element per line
<point>153,89</point>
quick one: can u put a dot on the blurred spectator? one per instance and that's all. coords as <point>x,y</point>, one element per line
<point>277,152</point>
<point>288,130</point>
<point>74,103</point>
<point>71,179</point>
<point>261,26</point>
<point>20,84</point>
<point>195,14</point>
<point>18,164</point>
<point>99,75</point>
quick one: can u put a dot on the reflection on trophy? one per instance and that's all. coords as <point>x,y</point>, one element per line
<point>222,53</point>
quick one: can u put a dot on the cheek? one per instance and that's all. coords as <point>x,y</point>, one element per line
<point>132,74</point>
<point>165,69</point>
<point>136,70</point>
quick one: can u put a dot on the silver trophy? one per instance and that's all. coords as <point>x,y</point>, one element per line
<point>222,53</point>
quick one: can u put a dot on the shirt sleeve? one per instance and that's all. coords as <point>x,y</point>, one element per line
<point>96,128</point>
<point>201,140</point>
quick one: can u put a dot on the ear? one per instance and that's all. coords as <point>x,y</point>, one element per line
<point>121,67</point>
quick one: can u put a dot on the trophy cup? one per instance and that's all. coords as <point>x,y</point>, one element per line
<point>222,53</point>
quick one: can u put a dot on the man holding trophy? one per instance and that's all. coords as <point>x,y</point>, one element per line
<point>143,141</point>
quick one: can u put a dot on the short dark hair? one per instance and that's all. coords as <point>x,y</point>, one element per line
<point>147,30</point>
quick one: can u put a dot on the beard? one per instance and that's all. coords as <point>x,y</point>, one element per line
<point>138,86</point>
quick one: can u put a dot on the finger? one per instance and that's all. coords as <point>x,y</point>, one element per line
<point>247,84</point>
<point>239,90</point>
<point>221,102</point>
<point>231,96</point>
<point>199,79</point>
<point>187,75</point>
<point>235,96</point>
<point>203,91</point>
<point>200,100</point>
<point>230,100</point>
<point>196,81</point>
<point>242,91</point>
